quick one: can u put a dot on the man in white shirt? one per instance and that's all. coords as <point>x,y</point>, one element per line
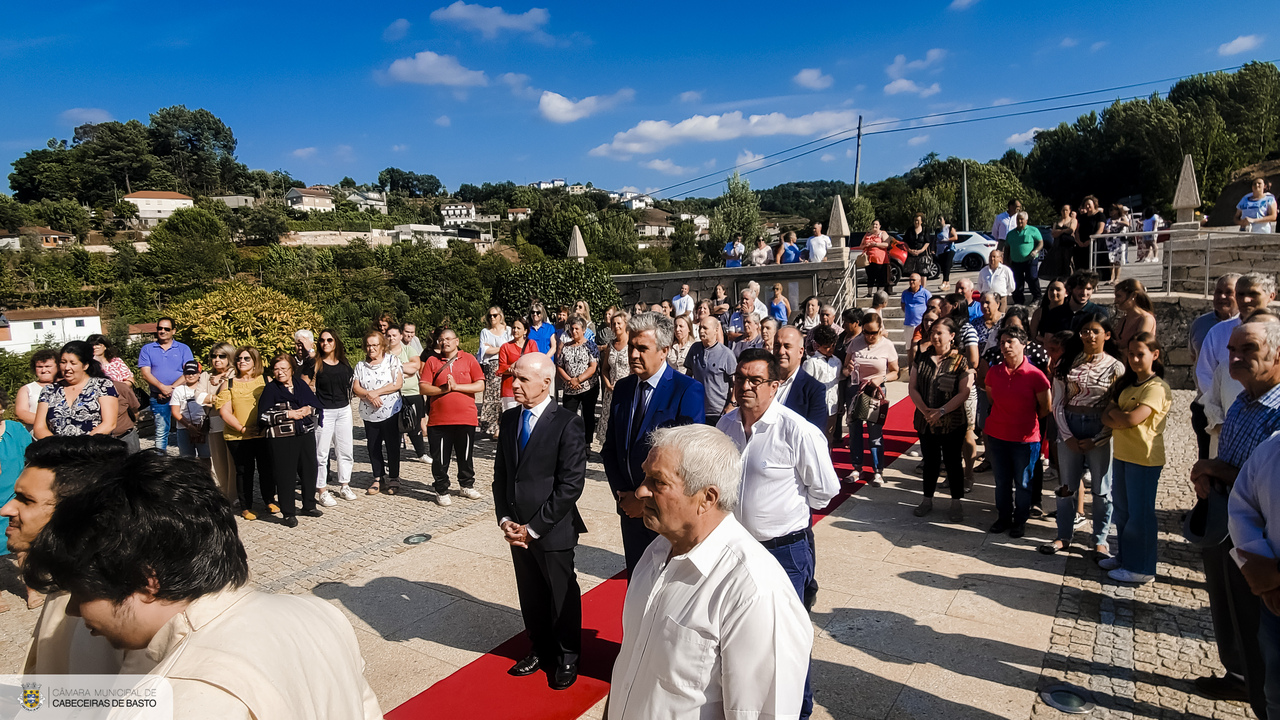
<point>1254,520</point>
<point>1213,377</point>
<point>786,471</point>
<point>997,278</point>
<point>1006,221</point>
<point>709,627</point>
<point>174,589</point>
<point>682,303</point>
<point>818,244</point>
<point>760,308</point>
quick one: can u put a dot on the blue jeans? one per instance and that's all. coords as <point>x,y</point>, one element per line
<point>1134,490</point>
<point>797,560</point>
<point>1011,463</point>
<point>1071,465</point>
<point>875,434</point>
<point>164,423</point>
<point>188,449</point>
<point>1269,639</point>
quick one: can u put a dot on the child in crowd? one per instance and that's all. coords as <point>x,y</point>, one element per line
<point>824,367</point>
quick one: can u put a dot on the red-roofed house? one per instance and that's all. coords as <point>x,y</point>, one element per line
<point>155,206</point>
<point>20,329</point>
<point>49,237</point>
<point>316,199</point>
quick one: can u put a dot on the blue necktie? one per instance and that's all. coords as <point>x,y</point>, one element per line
<point>637,417</point>
<point>526,427</point>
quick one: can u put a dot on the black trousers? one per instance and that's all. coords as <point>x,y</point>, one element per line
<point>945,260</point>
<point>248,455</point>
<point>1236,614</point>
<point>587,403</point>
<point>448,440</point>
<point>635,540</point>
<point>939,450</point>
<point>379,435</point>
<point>878,277</point>
<point>293,460</point>
<point>1200,424</point>
<point>419,404</point>
<point>1024,274</point>
<point>550,602</point>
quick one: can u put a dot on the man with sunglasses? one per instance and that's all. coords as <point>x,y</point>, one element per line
<point>786,471</point>
<point>161,363</point>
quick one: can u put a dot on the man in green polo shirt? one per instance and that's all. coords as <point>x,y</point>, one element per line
<point>1022,246</point>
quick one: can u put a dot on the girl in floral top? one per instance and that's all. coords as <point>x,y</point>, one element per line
<point>112,365</point>
<point>576,363</point>
<point>82,401</point>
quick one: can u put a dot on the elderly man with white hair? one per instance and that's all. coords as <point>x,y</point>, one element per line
<point>304,354</point>
<point>709,627</point>
<point>1024,243</point>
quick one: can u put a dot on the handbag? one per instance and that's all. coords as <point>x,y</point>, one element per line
<point>860,260</point>
<point>870,406</point>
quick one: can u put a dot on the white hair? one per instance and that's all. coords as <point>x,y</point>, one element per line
<point>664,330</point>
<point>1263,281</point>
<point>1023,215</point>
<point>304,335</point>
<point>707,458</point>
<point>754,287</point>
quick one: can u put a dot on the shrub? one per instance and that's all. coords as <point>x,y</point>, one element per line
<point>554,283</point>
<point>243,315</point>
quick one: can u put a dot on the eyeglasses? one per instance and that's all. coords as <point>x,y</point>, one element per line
<point>750,381</point>
<point>244,358</point>
<point>493,315</point>
<point>164,329</point>
<point>325,341</point>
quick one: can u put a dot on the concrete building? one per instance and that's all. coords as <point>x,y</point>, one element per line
<point>702,222</point>
<point>654,223</point>
<point>638,202</point>
<point>235,201</point>
<point>314,199</point>
<point>457,213</point>
<point>577,189</point>
<point>22,329</point>
<point>369,201</point>
<point>48,238</point>
<point>155,206</point>
<point>518,214</point>
<point>432,235</point>
<point>547,184</point>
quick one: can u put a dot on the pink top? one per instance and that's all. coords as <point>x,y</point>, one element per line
<point>117,370</point>
<point>869,362</point>
<point>874,254</point>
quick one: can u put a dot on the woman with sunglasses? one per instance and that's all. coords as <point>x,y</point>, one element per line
<point>507,356</point>
<point>334,377</point>
<point>377,384</point>
<point>237,403</point>
<point>870,362</point>
<point>492,338</point>
<point>215,378</point>
<point>289,411</point>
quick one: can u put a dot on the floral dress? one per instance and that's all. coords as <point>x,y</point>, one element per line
<point>80,417</point>
<point>619,367</point>
<point>575,359</point>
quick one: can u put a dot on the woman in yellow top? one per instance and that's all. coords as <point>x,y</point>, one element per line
<point>237,405</point>
<point>1137,418</point>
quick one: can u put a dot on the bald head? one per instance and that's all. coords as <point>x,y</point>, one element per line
<point>789,348</point>
<point>531,378</point>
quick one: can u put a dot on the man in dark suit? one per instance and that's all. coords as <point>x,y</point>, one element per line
<point>652,396</point>
<point>799,391</point>
<point>535,495</point>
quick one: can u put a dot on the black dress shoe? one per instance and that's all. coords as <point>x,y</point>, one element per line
<point>565,676</point>
<point>290,521</point>
<point>527,666</point>
<point>1222,688</point>
<point>1000,526</point>
<point>1018,530</point>
<point>313,512</point>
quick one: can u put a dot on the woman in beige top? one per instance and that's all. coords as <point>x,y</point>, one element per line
<point>870,362</point>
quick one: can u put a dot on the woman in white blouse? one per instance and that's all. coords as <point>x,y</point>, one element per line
<point>377,384</point>
<point>492,339</point>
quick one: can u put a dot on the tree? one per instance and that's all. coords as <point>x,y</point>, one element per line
<point>684,246</point>
<point>409,184</point>
<point>738,212</point>
<point>265,224</point>
<point>191,144</point>
<point>192,246</point>
<point>65,215</point>
<point>860,215</point>
<point>554,283</point>
<point>13,214</point>
<point>243,315</point>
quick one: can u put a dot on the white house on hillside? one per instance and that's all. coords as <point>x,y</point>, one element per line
<point>654,223</point>
<point>235,201</point>
<point>369,201</point>
<point>547,184</point>
<point>429,235</point>
<point>21,329</point>
<point>702,222</point>
<point>155,206</point>
<point>577,189</point>
<point>458,213</point>
<point>312,198</point>
<point>638,202</point>
<point>518,214</point>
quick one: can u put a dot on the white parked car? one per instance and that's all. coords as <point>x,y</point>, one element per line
<point>973,249</point>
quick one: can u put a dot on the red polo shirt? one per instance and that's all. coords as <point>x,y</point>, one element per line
<point>1014,415</point>
<point>454,408</point>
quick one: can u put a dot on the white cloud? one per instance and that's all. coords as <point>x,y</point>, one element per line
<point>901,67</point>
<point>650,136</point>
<point>962,4</point>
<point>396,30</point>
<point>747,159</point>
<point>444,121</point>
<point>666,167</point>
<point>827,157</point>
<point>519,84</point>
<point>1068,42</point>
<point>691,96</point>
<point>1001,101</point>
<point>1097,46</point>
<point>813,79</point>
<point>903,85</point>
<point>304,153</point>
<point>76,117</point>
<point>851,153</point>
<point>1244,43</point>
<point>344,153</point>
<point>918,140</point>
<point>489,21</point>
<point>560,109</point>
<point>399,148</point>
<point>1023,138</point>
<point>629,188</point>
<point>428,68</point>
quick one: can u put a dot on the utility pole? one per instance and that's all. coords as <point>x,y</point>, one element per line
<point>857,162</point>
<point>964,185</point>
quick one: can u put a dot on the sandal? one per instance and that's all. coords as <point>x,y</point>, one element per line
<point>1052,548</point>
<point>393,486</point>
<point>373,489</point>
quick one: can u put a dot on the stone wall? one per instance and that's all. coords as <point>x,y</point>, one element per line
<point>798,280</point>
<point>1221,253</point>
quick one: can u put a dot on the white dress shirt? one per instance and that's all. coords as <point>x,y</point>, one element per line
<point>1253,512</point>
<point>682,304</point>
<point>825,370</point>
<point>762,310</point>
<point>1213,377</point>
<point>1000,281</point>
<point>1003,224</point>
<point>784,389</point>
<point>715,633</point>
<point>818,246</point>
<point>536,411</point>
<point>786,469</point>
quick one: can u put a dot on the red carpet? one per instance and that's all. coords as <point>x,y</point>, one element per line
<point>483,689</point>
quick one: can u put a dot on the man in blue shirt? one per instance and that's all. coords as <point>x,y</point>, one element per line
<point>541,331</point>
<point>915,301</point>
<point>160,363</point>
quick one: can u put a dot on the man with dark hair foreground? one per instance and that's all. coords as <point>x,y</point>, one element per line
<point>173,586</point>
<point>57,468</point>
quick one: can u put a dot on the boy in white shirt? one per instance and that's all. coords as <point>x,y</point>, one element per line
<point>187,403</point>
<point>824,367</point>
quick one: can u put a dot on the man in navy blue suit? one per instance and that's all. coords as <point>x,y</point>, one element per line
<point>652,396</point>
<point>799,391</point>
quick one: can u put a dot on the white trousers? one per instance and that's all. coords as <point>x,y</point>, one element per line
<point>334,431</point>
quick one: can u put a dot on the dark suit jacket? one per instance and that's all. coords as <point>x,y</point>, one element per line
<point>541,486</point>
<point>808,398</point>
<point>677,400</point>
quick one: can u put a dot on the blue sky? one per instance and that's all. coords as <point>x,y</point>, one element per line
<point>625,95</point>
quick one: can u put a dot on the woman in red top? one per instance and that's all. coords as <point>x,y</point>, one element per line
<point>508,354</point>
<point>875,245</point>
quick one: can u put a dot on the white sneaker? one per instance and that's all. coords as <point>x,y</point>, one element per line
<point>913,453</point>
<point>443,499</point>
<point>855,476</point>
<point>325,498</point>
<point>1081,521</point>
<point>469,493</point>
<point>424,458</point>
<point>1125,576</point>
<point>345,493</point>
<point>877,480</point>
<point>1110,563</point>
